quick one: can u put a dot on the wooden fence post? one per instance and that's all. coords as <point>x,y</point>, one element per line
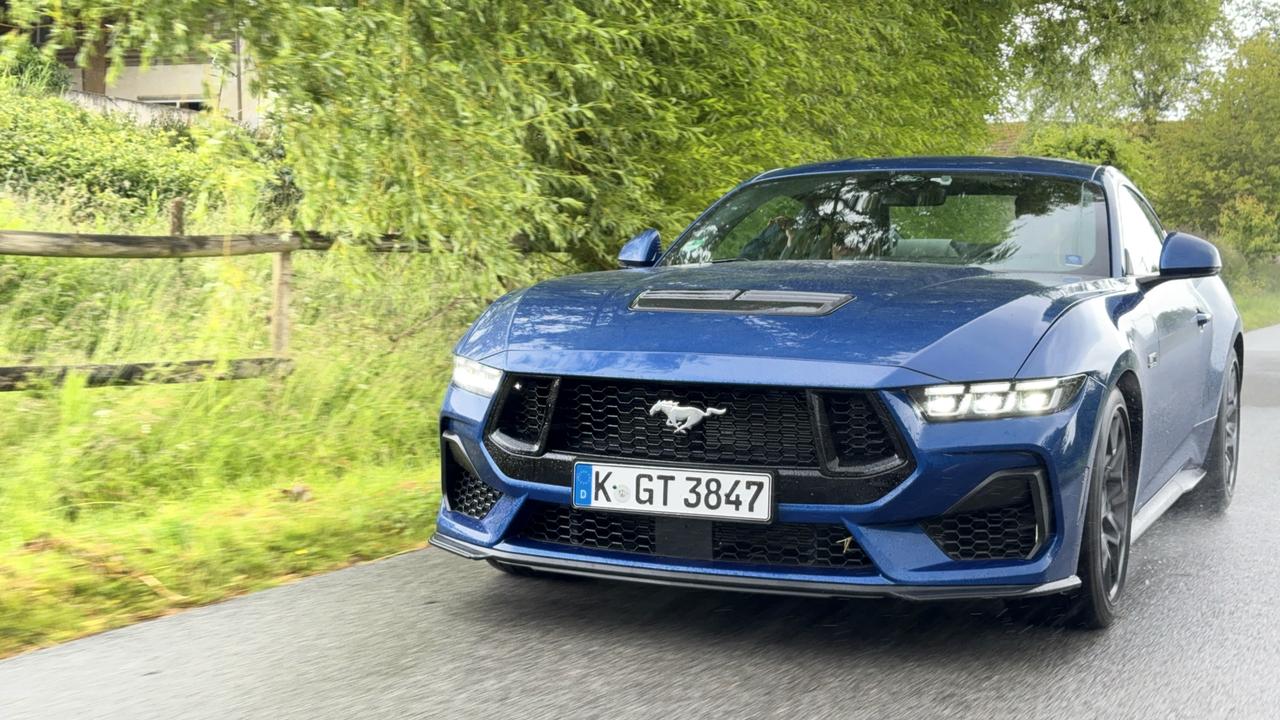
<point>177,216</point>
<point>282,281</point>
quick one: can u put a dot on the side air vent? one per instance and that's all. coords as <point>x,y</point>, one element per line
<point>741,302</point>
<point>466,493</point>
<point>1005,518</point>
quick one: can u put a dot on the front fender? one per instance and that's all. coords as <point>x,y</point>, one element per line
<point>488,334</point>
<point>1097,336</point>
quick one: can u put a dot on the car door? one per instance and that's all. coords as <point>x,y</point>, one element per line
<point>1173,386</point>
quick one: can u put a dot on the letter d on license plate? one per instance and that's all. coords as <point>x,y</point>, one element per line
<point>742,497</point>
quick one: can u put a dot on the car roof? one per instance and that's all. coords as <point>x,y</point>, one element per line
<point>945,163</point>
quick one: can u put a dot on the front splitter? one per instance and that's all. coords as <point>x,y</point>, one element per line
<point>777,586</point>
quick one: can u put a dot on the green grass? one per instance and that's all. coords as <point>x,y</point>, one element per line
<point>121,563</point>
<point>123,503</point>
<point>1259,309</point>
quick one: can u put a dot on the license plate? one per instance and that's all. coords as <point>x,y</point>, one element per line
<point>744,497</point>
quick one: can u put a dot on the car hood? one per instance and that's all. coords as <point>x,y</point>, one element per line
<point>951,323</point>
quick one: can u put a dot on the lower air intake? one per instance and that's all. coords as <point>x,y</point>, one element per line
<point>1006,518</point>
<point>466,493</point>
<point>785,544</point>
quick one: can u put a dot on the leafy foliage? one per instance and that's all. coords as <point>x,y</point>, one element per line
<point>1089,143</point>
<point>1227,147</point>
<point>572,123</point>
<point>1136,60</point>
<point>30,70</point>
<point>56,148</point>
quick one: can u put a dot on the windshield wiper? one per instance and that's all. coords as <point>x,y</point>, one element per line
<point>731,259</point>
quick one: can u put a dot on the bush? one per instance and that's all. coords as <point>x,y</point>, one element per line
<point>1250,227</point>
<point>54,148</point>
<point>29,70</point>
<point>1091,144</point>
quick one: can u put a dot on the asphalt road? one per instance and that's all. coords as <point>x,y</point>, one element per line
<point>430,635</point>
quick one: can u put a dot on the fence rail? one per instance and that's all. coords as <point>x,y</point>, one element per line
<point>177,245</point>
<point>26,376</point>
<point>79,245</point>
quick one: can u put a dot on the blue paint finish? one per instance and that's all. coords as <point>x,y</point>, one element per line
<point>1189,256</point>
<point>909,325</point>
<point>642,250</point>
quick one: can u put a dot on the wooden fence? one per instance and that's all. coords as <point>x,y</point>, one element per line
<point>176,245</point>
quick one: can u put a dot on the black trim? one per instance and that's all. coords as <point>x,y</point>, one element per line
<point>791,485</point>
<point>515,445</point>
<point>749,584</point>
<point>830,482</point>
<point>980,498</point>
<point>741,302</point>
<point>901,464</point>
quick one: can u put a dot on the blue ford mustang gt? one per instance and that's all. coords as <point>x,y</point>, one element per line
<point>923,377</point>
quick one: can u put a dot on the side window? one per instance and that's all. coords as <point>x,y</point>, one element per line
<point>1140,235</point>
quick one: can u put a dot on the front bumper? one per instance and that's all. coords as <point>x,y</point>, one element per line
<point>658,575</point>
<point>951,461</point>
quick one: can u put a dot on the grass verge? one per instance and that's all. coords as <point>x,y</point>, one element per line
<point>1259,310</point>
<point>122,564</point>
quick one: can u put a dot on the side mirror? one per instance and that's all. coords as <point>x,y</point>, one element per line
<point>643,250</point>
<point>1187,256</point>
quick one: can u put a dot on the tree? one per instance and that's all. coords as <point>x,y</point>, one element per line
<point>572,123</point>
<point>1089,143</point>
<point>1224,156</point>
<point>1082,60</point>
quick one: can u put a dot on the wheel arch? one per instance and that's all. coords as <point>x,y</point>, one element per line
<point>1131,389</point>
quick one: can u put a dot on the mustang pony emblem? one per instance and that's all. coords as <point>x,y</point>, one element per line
<point>682,417</point>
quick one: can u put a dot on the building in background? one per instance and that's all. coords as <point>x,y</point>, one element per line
<point>191,83</point>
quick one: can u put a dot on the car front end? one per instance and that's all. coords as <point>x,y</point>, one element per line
<point>869,495</point>
<point>849,417</point>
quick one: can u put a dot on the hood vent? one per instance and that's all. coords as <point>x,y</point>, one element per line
<point>741,302</point>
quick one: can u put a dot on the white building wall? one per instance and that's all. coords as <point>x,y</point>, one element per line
<point>185,82</point>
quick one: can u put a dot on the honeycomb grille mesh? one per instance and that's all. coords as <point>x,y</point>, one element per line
<point>993,534</point>
<point>799,545</point>
<point>786,544</point>
<point>468,494</point>
<point>760,426</point>
<point>857,431</point>
<point>526,408</point>
<point>599,530</point>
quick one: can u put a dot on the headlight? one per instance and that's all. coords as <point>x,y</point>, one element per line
<point>474,377</point>
<point>996,399</point>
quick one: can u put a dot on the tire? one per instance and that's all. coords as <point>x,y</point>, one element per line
<point>1104,546</point>
<point>1222,464</point>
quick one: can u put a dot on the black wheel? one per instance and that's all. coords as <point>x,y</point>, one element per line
<point>1221,466</point>
<point>1104,549</point>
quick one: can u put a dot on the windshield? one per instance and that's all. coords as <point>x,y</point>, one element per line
<point>1001,222</point>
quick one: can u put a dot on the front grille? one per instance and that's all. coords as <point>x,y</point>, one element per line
<point>598,530</point>
<point>859,434</point>
<point>526,408</point>
<point>764,427</point>
<point>1005,518</point>
<point>822,446</point>
<point>468,494</point>
<point>786,544</point>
